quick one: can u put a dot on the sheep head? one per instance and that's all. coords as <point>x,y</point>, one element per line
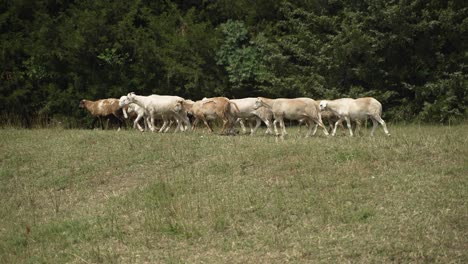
<point>178,106</point>
<point>258,103</point>
<point>323,105</point>
<point>82,104</point>
<point>123,101</point>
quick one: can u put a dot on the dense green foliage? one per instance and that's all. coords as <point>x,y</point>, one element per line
<point>410,55</point>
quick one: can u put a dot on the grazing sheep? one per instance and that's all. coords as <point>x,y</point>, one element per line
<point>214,108</point>
<point>104,108</point>
<point>355,109</point>
<point>293,109</point>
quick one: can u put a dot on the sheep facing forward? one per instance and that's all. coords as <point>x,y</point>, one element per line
<point>355,109</point>
<point>104,108</point>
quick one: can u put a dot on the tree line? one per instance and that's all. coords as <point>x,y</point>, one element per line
<point>409,54</point>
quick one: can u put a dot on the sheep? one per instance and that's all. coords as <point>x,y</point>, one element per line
<point>165,106</point>
<point>293,109</point>
<point>186,111</point>
<point>138,114</point>
<point>331,119</point>
<point>104,108</point>
<point>215,108</point>
<point>327,117</point>
<point>249,113</point>
<point>355,109</point>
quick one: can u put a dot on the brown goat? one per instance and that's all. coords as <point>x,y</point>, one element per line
<point>104,108</point>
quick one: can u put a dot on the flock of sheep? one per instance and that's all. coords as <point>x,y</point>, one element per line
<point>176,109</point>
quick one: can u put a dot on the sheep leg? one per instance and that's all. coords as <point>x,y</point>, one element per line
<point>376,121</point>
<point>336,125</point>
<point>210,130</point>
<point>170,125</point>
<point>187,123</point>
<point>374,126</point>
<point>165,124</point>
<point>184,121</point>
<point>152,125</point>
<point>231,125</point>
<point>179,126</point>
<point>101,123</point>
<point>146,123</point>
<point>276,129</point>
<point>283,127</point>
<point>225,126</point>
<point>309,130</point>
<point>357,127</point>
<point>107,124</point>
<point>137,124</point>
<point>320,123</point>
<point>348,124</point>
<point>315,129</point>
<point>195,123</point>
<point>94,122</point>
<point>241,122</point>
<point>382,122</point>
<point>120,124</point>
<point>250,126</point>
<point>257,125</point>
<point>120,121</point>
<point>268,124</point>
<point>343,129</point>
<point>140,128</point>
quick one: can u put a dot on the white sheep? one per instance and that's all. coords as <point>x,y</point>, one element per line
<point>305,109</point>
<point>138,113</point>
<point>165,106</point>
<point>355,109</point>
<point>247,112</point>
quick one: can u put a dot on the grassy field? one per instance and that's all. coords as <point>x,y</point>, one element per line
<point>84,196</point>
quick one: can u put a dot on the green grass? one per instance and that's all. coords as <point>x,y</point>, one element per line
<point>85,196</point>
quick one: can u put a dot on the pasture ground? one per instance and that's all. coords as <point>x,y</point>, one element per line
<point>88,196</point>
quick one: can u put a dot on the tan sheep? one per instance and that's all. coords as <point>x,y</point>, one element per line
<point>104,108</point>
<point>355,109</point>
<point>215,108</point>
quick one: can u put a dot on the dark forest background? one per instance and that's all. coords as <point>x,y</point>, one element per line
<point>410,55</point>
